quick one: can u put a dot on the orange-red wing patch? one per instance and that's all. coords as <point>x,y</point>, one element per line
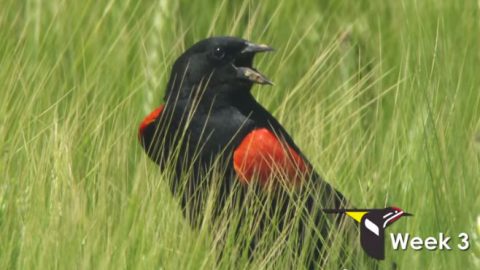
<point>150,118</point>
<point>262,156</point>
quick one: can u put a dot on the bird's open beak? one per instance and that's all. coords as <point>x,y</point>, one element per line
<point>247,72</point>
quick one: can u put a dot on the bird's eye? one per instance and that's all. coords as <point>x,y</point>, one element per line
<point>219,53</point>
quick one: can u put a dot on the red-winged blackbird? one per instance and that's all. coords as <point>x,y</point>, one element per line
<point>210,117</point>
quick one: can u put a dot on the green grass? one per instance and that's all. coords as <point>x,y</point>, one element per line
<point>382,96</point>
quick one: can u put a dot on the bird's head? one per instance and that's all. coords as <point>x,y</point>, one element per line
<point>392,214</point>
<point>217,63</point>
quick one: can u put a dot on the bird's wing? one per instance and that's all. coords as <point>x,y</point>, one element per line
<point>149,120</point>
<point>372,238</point>
<point>293,164</point>
<point>263,156</point>
<point>147,130</point>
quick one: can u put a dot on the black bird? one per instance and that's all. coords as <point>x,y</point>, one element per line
<point>372,226</point>
<point>211,118</point>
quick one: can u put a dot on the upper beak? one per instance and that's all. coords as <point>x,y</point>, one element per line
<point>250,73</point>
<point>254,48</point>
<point>406,214</point>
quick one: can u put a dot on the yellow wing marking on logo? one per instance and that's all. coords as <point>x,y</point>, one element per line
<point>356,215</point>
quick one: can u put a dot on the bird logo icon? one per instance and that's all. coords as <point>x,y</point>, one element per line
<point>373,223</point>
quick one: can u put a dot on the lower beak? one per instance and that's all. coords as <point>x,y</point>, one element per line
<point>252,75</point>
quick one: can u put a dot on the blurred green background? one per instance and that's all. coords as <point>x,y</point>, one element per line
<point>382,96</point>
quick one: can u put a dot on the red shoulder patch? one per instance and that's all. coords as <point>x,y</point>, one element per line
<point>150,118</point>
<point>263,156</point>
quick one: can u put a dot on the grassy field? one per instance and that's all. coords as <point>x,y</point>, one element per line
<point>382,96</point>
